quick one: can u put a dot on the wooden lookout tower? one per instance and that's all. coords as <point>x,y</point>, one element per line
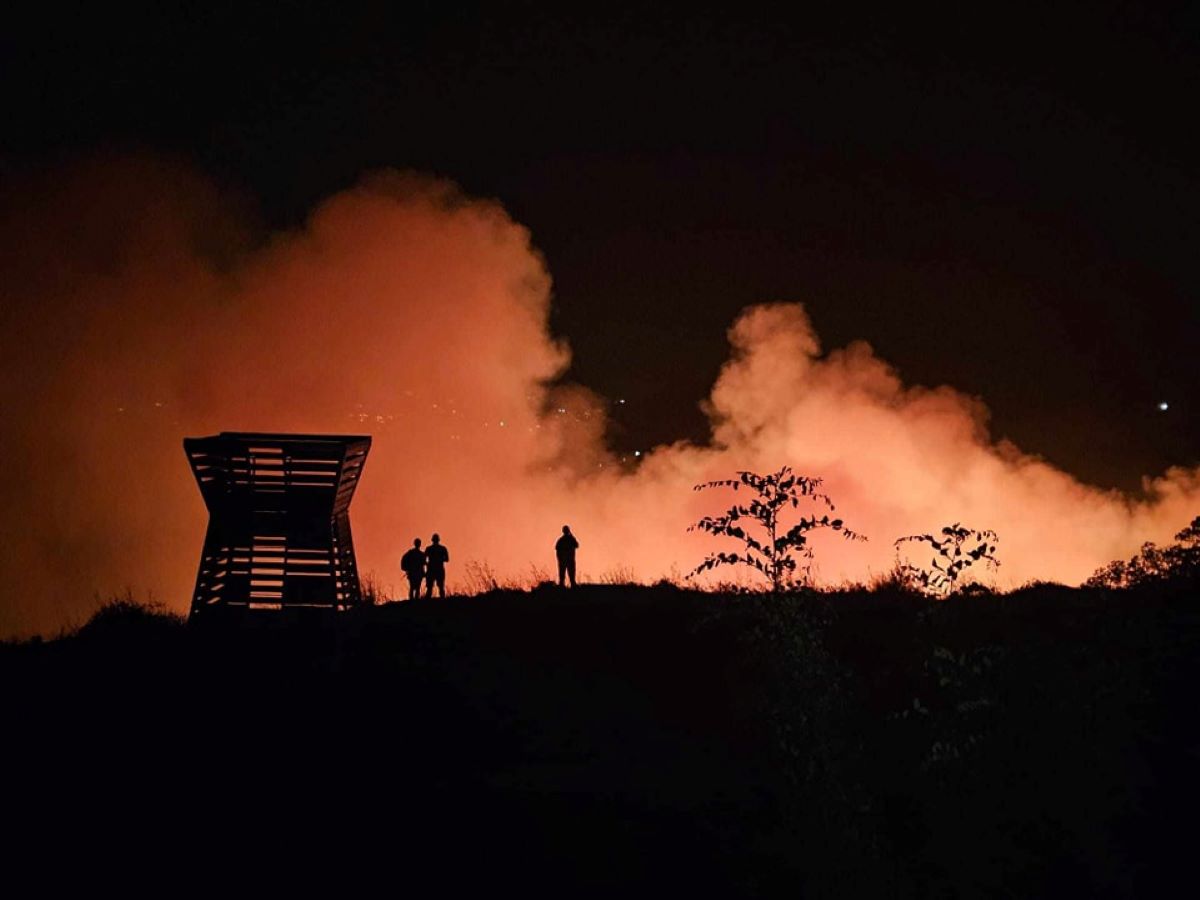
<point>279,520</point>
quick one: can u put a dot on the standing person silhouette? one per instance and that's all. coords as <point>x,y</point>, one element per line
<point>436,558</point>
<point>412,564</point>
<point>564,549</point>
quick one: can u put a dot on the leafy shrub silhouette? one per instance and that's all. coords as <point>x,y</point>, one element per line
<point>954,556</point>
<point>757,525</point>
<point>1153,564</point>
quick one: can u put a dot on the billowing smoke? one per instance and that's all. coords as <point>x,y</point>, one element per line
<point>137,308</point>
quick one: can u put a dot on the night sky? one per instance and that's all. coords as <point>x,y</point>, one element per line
<point>1000,200</point>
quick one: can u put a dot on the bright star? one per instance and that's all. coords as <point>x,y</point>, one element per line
<point>1163,406</point>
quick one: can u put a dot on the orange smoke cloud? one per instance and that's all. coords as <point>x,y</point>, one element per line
<point>137,310</point>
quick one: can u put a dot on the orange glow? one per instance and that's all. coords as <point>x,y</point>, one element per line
<point>134,315</point>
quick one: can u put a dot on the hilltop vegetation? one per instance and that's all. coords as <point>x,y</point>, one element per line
<point>825,744</point>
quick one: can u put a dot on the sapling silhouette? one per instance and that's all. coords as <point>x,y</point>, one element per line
<point>768,551</point>
<point>955,554</point>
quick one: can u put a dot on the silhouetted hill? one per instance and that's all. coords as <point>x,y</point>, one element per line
<point>1038,743</point>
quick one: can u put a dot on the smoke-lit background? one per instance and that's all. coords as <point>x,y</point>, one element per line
<point>142,304</point>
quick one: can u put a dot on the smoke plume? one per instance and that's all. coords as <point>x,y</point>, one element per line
<point>138,308</point>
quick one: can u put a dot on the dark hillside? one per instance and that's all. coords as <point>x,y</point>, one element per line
<point>827,744</point>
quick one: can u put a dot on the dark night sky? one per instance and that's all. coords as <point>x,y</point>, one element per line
<point>1005,201</point>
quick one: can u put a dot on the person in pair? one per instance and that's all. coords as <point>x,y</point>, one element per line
<point>436,558</point>
<point>412,564</point>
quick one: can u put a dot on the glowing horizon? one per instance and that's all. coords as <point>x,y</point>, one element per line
<point>135,317</point>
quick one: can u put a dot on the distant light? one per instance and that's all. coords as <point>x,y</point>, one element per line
<point>622,402</point>
<point>637,452</point>
<point>1163,406</point>
<point>501,423</point>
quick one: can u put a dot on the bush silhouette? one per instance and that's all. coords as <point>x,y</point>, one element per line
<point>1153,564</point>
<point>757,525</point>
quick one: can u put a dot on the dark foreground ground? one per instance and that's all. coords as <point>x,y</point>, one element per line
<point>619,739</point>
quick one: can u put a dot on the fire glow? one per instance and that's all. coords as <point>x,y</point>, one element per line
<point>135,315</point>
